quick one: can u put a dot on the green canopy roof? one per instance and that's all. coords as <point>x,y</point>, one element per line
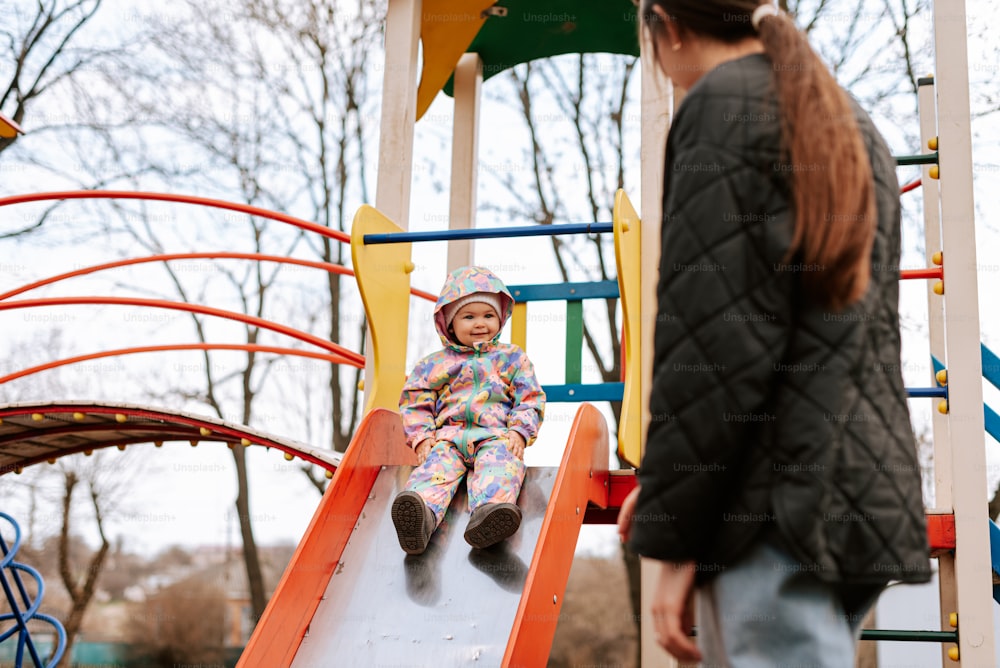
<point>535,29</point>
<point>511,32</point>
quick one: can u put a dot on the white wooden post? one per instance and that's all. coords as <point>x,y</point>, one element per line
<point>399,114</point>
<point>656,108</point>
<point>464,156</point>
<point>973,572</point>
<point>947,602</point>
<point>399,110</point>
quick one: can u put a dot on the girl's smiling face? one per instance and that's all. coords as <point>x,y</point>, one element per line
<point>475,323</point>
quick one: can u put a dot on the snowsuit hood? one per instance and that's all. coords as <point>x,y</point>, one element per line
<point>466,281</point>
<point>468,395</point>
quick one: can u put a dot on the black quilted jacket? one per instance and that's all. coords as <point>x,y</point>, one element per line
<point>768,412</point>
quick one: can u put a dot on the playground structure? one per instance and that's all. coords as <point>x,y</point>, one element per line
<point>22,606</point>
<point>349,591</point>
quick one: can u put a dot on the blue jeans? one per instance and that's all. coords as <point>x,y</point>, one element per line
<point>768,610</point>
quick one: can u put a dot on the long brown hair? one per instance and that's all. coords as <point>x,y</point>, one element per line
<point>828,165</point>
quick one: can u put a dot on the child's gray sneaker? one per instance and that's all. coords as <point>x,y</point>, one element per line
<point>492,523</point>
<point>414,522</point>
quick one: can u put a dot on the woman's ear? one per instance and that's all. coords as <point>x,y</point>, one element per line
<point>671,31</point>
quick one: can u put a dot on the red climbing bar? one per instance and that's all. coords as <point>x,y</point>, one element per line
<point>932,272</point>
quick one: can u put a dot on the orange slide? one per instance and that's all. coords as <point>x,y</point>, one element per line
<point>351,596</point>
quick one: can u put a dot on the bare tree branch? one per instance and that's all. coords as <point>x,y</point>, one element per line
<point>43,56</point>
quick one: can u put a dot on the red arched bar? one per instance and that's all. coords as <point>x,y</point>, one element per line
<point>326,266</point>
<point>191,308</point>
<point>912,185</point>
<point>249,347</point>
<point>343,237</point>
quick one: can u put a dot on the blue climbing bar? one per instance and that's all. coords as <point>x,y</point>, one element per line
<point>494,233</point>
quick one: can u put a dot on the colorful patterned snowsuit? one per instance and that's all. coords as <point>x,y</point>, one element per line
<point>467,399</point>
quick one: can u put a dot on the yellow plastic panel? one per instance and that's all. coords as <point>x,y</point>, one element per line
<point>519,326</point>
<point>9,129</point>
<point>447,28</point>
<point>383,274</point>
<point>627,248</point>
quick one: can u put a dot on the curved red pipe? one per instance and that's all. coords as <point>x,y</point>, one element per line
<point>332,268</point>
<point>326,266</point>
<point>912,185</point>
<point>249,347</point>
<point>343,237</point>
<point>191,308</point>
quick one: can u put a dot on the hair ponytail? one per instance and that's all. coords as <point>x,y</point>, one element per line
<point>828,164</point>
<point>829,169</point>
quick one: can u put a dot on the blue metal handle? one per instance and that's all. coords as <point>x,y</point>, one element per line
<point>495,233</point>
<point>927,392</point>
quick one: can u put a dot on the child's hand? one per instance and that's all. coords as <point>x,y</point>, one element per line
<point>424,449</point>
<point>515,443</point>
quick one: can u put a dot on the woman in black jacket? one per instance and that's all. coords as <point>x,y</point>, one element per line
<point>780,477</point>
